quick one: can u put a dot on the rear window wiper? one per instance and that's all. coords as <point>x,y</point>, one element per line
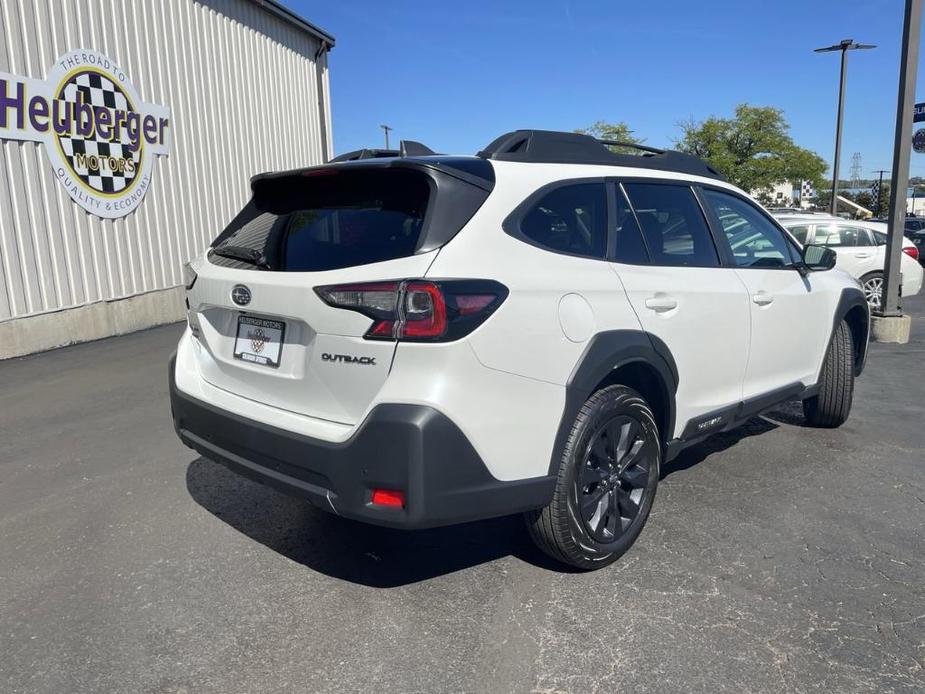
<point>247,255</point>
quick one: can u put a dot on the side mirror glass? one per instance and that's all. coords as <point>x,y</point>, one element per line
<point>818,258</point>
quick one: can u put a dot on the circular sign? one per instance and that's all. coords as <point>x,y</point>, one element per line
<point>918,141</point>
<point>104,165</point>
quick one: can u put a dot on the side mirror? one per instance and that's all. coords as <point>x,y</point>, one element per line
<point>818,258</point>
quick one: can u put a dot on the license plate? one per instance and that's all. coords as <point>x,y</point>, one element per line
<point>259,340</point>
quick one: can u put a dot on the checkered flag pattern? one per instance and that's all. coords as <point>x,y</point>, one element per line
<point>807,191</point>
<point>97,91</point>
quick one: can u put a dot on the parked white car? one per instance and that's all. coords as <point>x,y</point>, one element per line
<point>861,249</point>
<point>419,340</point>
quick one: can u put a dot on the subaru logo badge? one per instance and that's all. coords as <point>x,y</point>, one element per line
<point>241,295</point>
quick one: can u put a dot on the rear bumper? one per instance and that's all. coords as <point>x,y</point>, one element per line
<point>412,448</point>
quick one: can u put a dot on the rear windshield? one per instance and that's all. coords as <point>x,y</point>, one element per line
<point>328,219</point>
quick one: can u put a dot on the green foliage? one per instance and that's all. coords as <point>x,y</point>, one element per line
<point>753,150</point>
<point>821,201</point>
<point>865,199</point>
<point>619,131</point>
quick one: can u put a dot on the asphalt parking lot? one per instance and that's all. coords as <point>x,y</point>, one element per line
<point>777,558</point>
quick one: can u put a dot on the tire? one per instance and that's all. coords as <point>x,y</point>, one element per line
<point>831,407</point>
<point>872,285</point>
<point>606,482</point>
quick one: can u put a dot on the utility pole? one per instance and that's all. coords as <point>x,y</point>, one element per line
<point>879,191</point>
<point>889,323</point>
<point>856,170</point>
<point>844,46</point>
<point>386,129</point>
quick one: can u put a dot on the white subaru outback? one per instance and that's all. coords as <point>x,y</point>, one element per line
<point>417,339</point>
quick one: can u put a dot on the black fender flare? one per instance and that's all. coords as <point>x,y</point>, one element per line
<point>851,298</point>
<point>604,353</point>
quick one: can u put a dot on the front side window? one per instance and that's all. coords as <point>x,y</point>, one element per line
<point>673,225</point>
<point>754,240</point>
<point>570,219</point>
<point>800,232</point>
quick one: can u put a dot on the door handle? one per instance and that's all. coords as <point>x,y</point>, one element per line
<point>762,298</point>
<point>661,303</point>
<point>862,255</point>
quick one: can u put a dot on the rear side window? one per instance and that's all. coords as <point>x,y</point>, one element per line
<point>672,222</point>
<point>842,235</point>
<point>631,249</point>
<point>569,219</point>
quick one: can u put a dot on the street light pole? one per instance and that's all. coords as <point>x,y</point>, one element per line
<point>844,46</point>
<point>905,103</point>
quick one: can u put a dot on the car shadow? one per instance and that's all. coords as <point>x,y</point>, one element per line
<point>358,552</point>
<point>386,558</point>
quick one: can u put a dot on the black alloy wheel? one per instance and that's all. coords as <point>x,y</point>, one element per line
<point>614,477</point>
<point>606,482</point>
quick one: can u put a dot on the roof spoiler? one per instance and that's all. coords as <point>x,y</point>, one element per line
<point>407,148</point>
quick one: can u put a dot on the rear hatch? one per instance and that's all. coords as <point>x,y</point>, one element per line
<point>267,334</point>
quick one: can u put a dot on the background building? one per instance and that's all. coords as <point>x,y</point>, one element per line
<point>96,222</point>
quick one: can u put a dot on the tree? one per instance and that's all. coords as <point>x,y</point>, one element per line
<point>619,131</point>
<point>865,199</point>
<point>753,150</point>
<point>821,201</point>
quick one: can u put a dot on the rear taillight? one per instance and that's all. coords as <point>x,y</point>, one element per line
<point>418,310</point>
<point>911,251</point>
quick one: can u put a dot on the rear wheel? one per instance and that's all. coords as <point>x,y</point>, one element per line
<point>872,284</point>
<point>831,407</point>
<point>607,480</point>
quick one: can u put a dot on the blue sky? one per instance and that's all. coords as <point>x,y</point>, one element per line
<point>456,74</point>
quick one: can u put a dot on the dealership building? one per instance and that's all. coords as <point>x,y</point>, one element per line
<point>128,135</point>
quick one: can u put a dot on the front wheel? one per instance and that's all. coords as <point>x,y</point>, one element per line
<point>872,285</point>
<point>606,484</point>
<point>831,407</point>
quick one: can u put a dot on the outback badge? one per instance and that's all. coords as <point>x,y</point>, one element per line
<point>348,359</point>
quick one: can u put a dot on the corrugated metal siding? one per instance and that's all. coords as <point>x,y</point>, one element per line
<point>243,89</point>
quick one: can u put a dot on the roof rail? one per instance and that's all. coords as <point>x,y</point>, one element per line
<point>632,145</point>
<point>552,147</point>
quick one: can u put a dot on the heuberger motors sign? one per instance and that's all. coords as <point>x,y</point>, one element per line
<point>100,137</point>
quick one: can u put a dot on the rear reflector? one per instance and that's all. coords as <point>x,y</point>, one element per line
<point>388,497</point>
<point>911,251</point>
<point>418,310</point>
